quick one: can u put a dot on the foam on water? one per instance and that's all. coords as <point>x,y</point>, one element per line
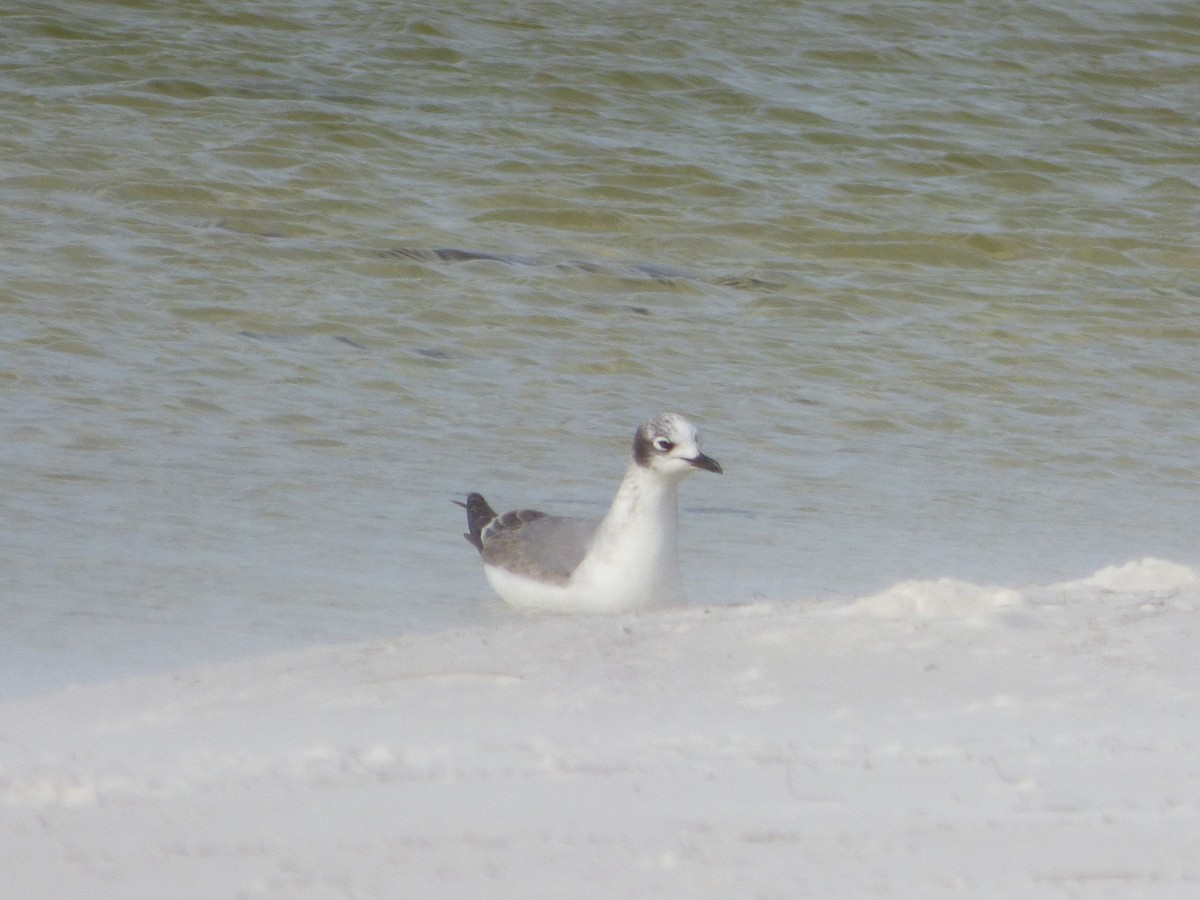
<point>942,598</point>
<point>1153,577</point>
<point>1133,583</point>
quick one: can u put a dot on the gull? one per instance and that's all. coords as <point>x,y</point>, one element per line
<point>626,561</point>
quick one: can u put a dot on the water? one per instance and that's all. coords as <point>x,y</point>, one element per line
<point>926,276</point>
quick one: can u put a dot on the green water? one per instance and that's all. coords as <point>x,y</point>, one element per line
<point>927,276</point>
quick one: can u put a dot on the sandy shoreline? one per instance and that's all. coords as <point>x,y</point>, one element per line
<point>938,738</point>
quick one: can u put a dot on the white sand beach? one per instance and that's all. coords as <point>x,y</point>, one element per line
<point>939,739</point>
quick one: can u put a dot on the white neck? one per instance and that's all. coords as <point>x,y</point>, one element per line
<point>640,535</point>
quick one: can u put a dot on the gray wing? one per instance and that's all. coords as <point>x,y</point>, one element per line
<point>537,545</point>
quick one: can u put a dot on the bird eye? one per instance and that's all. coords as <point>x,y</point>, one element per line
<point>663,444</point>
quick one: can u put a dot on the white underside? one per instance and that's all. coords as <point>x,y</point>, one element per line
<point>603,592</point>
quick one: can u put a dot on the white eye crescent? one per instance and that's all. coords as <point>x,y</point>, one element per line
<point>663,445</point>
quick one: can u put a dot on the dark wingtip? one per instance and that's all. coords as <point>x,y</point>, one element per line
<point>479,514</point>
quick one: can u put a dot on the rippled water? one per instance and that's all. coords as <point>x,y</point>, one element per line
<point>927,277</point>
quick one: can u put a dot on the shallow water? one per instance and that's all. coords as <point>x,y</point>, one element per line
<point>927,278</point>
